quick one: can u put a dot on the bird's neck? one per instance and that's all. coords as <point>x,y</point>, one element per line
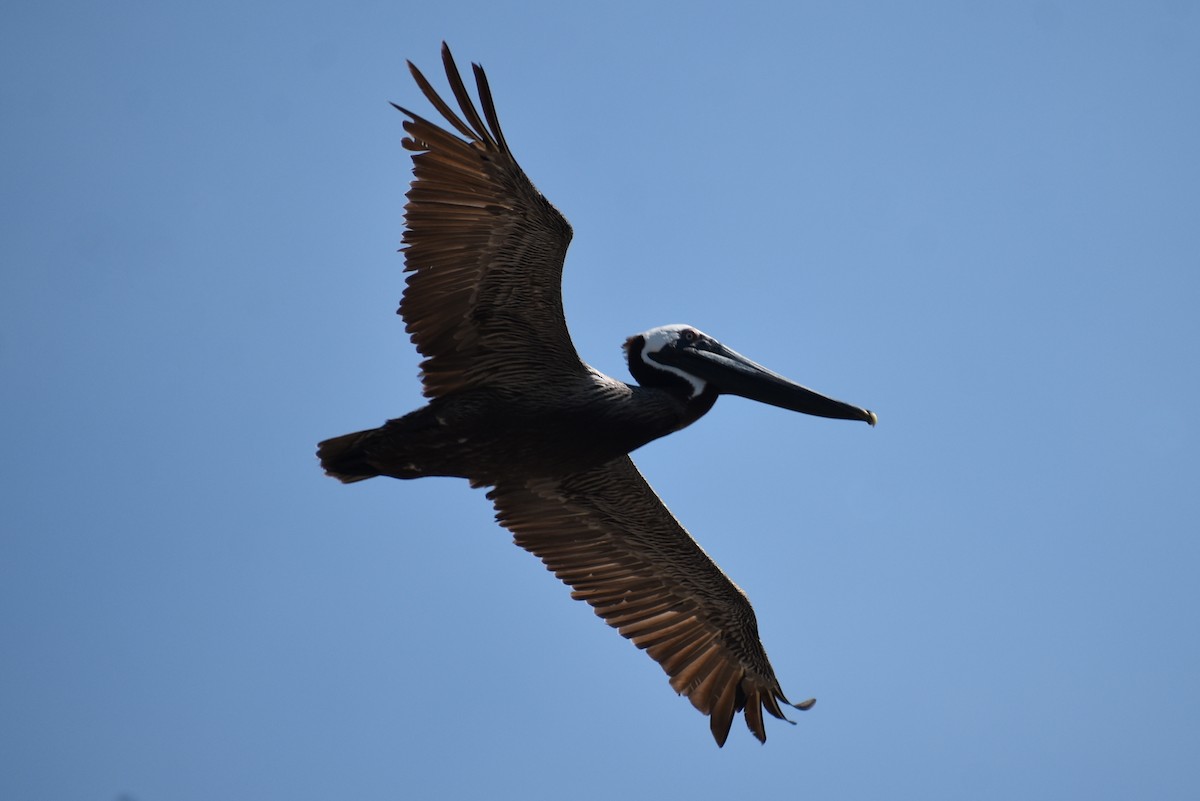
<point>653,412</point>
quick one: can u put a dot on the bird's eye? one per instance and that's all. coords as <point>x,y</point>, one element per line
<point>690,335</point>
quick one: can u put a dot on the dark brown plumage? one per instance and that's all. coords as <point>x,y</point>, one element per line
<point>606,533</point>
<point>513,407</point>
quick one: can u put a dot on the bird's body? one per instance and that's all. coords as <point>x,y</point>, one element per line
<point>486,436</point>
<point>512,407</point>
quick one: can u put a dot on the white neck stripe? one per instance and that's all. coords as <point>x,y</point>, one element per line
<point>659,338</point>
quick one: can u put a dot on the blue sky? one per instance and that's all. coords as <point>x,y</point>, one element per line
<point>981,222</point>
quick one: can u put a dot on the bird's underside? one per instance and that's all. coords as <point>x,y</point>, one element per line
<point>512,407</point>
<point>601,529</point>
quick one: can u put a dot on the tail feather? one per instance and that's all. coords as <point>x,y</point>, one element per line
<point>345,459</point>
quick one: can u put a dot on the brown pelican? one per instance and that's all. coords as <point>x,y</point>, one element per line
<point>512,406</point>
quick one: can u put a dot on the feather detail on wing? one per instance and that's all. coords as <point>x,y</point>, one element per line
<point>485,250</point>
<point>606,534</point>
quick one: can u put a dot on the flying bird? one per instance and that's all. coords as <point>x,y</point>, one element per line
<point>513,407</point>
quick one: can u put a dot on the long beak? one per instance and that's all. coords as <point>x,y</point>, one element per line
<point>731,373</point>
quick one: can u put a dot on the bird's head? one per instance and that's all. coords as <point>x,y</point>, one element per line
<point>684,359</point>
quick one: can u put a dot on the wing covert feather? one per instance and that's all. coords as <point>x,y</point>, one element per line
<point>485,251</point>
<point>606,534</point>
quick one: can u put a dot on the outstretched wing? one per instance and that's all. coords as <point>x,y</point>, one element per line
<point>484,301</point>
<point>607,534</point>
